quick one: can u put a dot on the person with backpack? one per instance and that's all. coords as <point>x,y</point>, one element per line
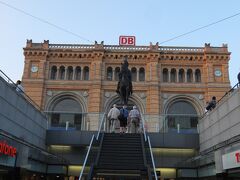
<point>123,119</point>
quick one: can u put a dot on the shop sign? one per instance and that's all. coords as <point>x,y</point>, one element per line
<point>127,40</point>
<point>7,149</point>
<point>231,160</point>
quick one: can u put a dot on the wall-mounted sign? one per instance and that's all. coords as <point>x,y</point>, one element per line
<point>231,160</point>
<point>127,40</point>
<point>7,149</point>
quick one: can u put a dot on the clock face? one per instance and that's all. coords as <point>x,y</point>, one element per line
<point>34,69</point>
<point>218,72</point>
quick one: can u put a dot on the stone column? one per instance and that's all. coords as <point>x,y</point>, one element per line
<point>194,78</point>
<point>74,73</point>
<point>137,74</point>
<point>177,71</point>
<point>82,73</point>
<point>113,74</point>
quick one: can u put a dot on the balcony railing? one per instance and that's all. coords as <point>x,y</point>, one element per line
<point>167,123</point>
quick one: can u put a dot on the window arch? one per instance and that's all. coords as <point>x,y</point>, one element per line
<point>109,73</point>
<point>141,74</point>
<point>62,72</point>
<point>198,75</point>
<point>69,73</point>
<point>134,74</point>
<point>173,75</point>
<point>182,115</point>
<point>189,75</point>
<point>165,75</point>
<point>117,71</point>
<point>53,73</point>
<point>66,111</point>
<point>86,73</point>
<point>78,72</point>
<point>181,76</point>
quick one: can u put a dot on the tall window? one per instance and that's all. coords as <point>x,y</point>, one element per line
<point>109,73</point>
<point>86,73</point>
<point>189,75</point>
<point>181,75</point>
<point>173,75</point>
<point>134,74</point>
<point>117,71</point>
<point>53,73</point>
<point>78,73</point>
<point>198,75</point>
<point>182,114</point>
<point>165,75</point>
<point>70,73</point>
<point>141,74</point>
<point>66,111</point>
<point>62,72</point>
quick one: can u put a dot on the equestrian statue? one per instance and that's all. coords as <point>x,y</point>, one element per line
<point>124,87</point>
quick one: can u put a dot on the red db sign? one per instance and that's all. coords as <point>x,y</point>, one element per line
<point>127,40</point>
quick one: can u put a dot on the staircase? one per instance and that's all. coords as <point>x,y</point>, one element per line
<point>121,156</point>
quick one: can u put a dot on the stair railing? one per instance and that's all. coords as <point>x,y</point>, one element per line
<point>96,137</point>
<point>147,139</point>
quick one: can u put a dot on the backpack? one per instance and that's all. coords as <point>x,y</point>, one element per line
<point>123,114</point>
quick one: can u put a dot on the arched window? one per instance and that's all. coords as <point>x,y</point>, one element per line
<point>86,73</point>
<point>66,112</point>
<point>189,75</point>
<point>62,72</point>
<point>141,74</point>
<point>165,75</point>
<point>134,74</point>
<point>183,116</point>
<point>181,76</point>
<point>70,73</point>
<point>78,73</point>
<point>109,73</point>
<point>53,73</point>
<point>198,75</point>
<point>173,75</point>
<point>117,71</point>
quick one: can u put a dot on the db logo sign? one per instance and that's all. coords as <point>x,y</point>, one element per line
<point>127,40</point>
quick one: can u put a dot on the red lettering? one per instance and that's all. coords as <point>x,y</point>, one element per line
<point>123,40</point>
<point>237,157</point>
<point>7,149</point>
<point>131,41</point>
<point>127,40</point>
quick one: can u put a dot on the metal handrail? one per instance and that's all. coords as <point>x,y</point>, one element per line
<point>33,103</point>
<point>143,126</point>
<point>153,163</point>
<point>227,93</point>
<point>85,160</point>
<point>90,146</point>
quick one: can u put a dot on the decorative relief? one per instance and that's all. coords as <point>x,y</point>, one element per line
<point>164,96</point>
<point>143,95</point>
<point>85,94</point>
<point>107,94</point>
<point>200,97</point>
<point>49,93</point>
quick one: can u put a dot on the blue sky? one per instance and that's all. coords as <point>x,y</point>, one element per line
<point>150,21</point>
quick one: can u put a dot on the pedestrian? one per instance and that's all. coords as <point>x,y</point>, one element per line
<point>134,116</point>
<point>113,117</point>
<point>123,119</point>
<point>19,87</point>
<point>212,104</point>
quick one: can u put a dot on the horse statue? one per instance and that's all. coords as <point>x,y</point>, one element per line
<point>124,88</point>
